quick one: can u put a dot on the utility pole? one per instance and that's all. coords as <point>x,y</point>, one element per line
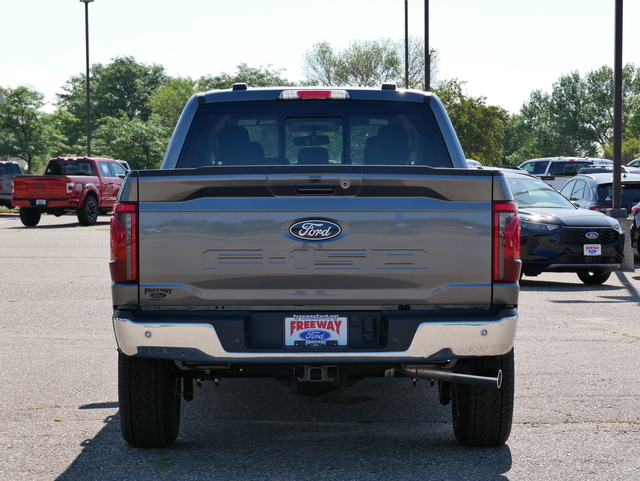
<point>406,44</point>
<point>427,53</point>
<point>617,116</point>
<point>86,29</point>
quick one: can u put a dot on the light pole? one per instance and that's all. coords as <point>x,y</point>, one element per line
<point>617,210</point>
<point>406,44</point>
<point>427,53</point>
<point>86,29</point>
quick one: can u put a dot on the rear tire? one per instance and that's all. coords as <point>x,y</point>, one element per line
<point>149,397</point>
<point>30,216</point>
<point>88,213</point>
<point>482,416</point>
<point>593,277</point>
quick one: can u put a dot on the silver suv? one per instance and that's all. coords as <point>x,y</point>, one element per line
<point>556,171</point>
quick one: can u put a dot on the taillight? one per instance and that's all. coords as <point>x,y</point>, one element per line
<point>506,242</point>
<point>70,187</point>
<point>124,243</point>
<point>599,208</point>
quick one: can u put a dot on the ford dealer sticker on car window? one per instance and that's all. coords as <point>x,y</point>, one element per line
<point>315,330</point>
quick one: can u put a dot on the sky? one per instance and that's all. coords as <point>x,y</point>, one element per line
<point>502,49</point>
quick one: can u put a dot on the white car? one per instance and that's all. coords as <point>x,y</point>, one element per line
<point>634,163</point>
<point>474,164</point>
<point>556,171</point>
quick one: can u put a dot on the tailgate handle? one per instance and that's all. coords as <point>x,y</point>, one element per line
<point>315,189</point>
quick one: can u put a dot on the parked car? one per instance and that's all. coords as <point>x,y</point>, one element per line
<point>595,191</point>
<point>273,242</point>
<point>556,236</point>
<point>634,163</point>
<point>125,164</point>
<point>607,169</point>
<point>474,164</point>
<point>85,186</point>
<point>635,229</point>
<point>556,171</point>
<point>8,170</point>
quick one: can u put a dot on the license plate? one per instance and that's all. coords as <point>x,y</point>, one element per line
<point>592,249</point>
<point>315,330</point>
<point>41,202</point>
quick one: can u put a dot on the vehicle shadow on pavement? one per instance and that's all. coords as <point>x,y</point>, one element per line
<point>61,226</point>
<point>532,284</point>
<point>605,293</point>
<point>257,429</point>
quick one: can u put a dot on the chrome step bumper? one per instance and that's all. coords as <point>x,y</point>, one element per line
<point>199,342</point>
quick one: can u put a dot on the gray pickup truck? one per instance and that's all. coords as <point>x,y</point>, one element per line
<point>317,237</point>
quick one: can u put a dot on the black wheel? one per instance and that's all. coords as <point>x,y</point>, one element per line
<point>30,216</point>
<point>149,397</point>
<point>594,277</point>
<point>88,213</point>
<point>482,416</point>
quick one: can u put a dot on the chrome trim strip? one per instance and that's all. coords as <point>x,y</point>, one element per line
<point>200,343</point>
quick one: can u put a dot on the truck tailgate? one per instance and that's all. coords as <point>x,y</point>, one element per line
<point>226,240</point>
<point>41,187</point>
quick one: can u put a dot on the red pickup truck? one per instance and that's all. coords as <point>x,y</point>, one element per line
<point>86,186</point>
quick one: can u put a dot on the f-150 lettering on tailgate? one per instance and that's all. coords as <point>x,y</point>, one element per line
<point>240,260</point>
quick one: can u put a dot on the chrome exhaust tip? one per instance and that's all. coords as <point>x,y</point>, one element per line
<point>447,375</point>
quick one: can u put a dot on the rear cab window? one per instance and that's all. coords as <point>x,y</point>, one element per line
<point>567,168</point>
<point>10,169</point>
<point>311,132</point>
<point>70,167</point>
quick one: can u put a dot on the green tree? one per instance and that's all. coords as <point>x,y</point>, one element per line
<point>480,127</point>
<point>122,87</point>
<point>366,63</point>
<point>533,132</point>
<point>253,77</point>
<point>576,118</point>
<point>168,101</point>
<point>141,143</point>
<point>26,132</point>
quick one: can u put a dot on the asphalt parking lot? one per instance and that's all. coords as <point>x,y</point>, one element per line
<point>577,413</point>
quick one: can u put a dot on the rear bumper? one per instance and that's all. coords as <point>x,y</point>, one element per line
<point>47,203</point>
<point>210,338</point>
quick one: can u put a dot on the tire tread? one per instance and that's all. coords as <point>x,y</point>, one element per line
<point>149,402</point>
<point>485,415</point>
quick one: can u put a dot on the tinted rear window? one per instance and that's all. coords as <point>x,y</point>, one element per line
<point>630,194</point>
<point>568,169</point>
<point>331,132</point>
<point>10,169</point>
<point>69,167</point>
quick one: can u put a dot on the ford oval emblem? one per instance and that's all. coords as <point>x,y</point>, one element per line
<point>315,335</point>
<point>315,230</point>
<point>592,235</point>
